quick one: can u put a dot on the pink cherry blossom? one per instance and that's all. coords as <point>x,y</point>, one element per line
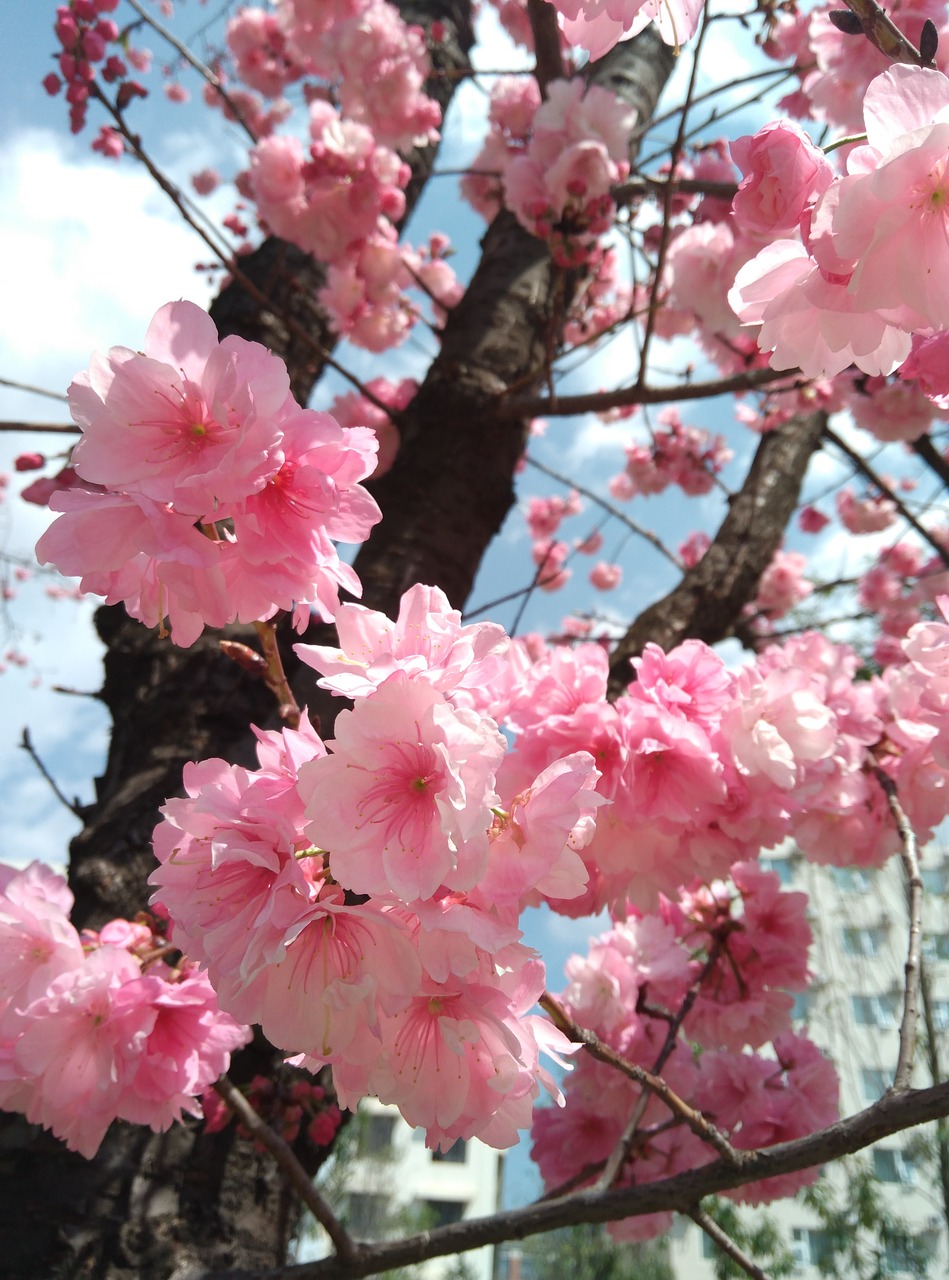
<point>784,172</point>
<point>191,421</point>
<point>404,802</point>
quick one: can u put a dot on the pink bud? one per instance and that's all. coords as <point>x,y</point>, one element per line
<point>29,462</point>
<point>605,576</point>
<point>52,84</point>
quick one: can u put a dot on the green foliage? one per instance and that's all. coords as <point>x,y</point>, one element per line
<point>759,1237</point>
<point>861,1236</point>
<point>586,1252</point>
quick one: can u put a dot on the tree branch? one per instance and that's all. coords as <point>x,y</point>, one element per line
<point>726,1243</point>
<point>892,1114</point>
<point>878,482</point>
<point>711,595</point>
<point>623,397</point>
<point>546,33</point>
<point>293,1171</point>
<point>701,1127</point>
<point>914,896</point>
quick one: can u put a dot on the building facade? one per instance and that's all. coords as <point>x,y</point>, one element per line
<point>394,1185</point>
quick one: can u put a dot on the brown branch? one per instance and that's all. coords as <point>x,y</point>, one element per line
<point>647,534</point>
<point>48,428</point>
<point>701,1127</point>
<point>28,386</point>
<point>274,675</point>
<point>711,595</point>
<point>623,397</point>
<point>927,451</point>
<point>26,744</point>
<point>726,1243</point>
<point>346,1248</point>
<point>914,896</point>
<point>879,483</point>
<point>892,1114</point>
<point>624,1147</point>
<point>884,34</point>
<point>636,188</point>
<point>546,33</point>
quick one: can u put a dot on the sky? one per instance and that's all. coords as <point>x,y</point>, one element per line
<point>91,250</point>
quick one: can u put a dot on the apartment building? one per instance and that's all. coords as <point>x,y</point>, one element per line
<point>394,1185</point>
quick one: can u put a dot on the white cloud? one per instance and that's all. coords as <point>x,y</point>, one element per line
<point>91,251</point>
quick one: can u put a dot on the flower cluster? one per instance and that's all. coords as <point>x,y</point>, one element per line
<point>559,188</point>
<point>85,35</point>
<point>849,290</point>
<point>329,199</point>
<point>207,494</point>
<point>689,457</point>
<point>97,1027</point>
<point>729,953</point>
<point>379,63</point>
<point>418,989</point>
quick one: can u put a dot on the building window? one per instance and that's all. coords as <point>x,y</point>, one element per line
<point>375,1134</point>
<point>934,879</point>
<point>455,1154</point>
<point>809,1246</point>
<point>852,879</point>
<point>892,1165</point>
<point>936,946</point>
<point>366,1214</point>
<point>863,942</point>
<point>782,868</point>
<point>875,1083</point>
<point>875,1011</point>
<point>441,1213</point>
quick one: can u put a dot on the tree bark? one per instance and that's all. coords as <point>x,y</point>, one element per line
<point>707,603</point>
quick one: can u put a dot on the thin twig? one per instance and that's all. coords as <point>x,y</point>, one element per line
<point>26,744</point>
<point>623,397</point>
<point>346,1248</point>
<point>879,483</point>
<point>883,33</point>
<point>903,1075</point>
<point>726,1243</point>
<point>624,1148</point>
<point>214,81</point>
<point>630,524</point>
<point>701,1127</point>
<point>274,675</point>
<point>36,391</point>
<point>665,234</point>
<point>49,428</point>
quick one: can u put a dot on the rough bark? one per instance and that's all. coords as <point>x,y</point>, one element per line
<point>158,1207</point>
<point>707,603</point>
<point>452,483</point>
